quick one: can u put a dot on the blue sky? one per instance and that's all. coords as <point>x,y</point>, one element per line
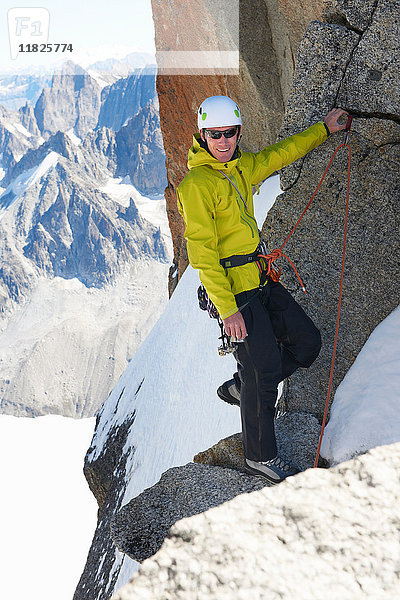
<point>103,26</point>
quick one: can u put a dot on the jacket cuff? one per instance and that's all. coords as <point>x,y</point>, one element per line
<point>229,313</point>
<point>328,132</point>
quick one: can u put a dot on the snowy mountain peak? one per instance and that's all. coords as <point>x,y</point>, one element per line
<point>72,101</point>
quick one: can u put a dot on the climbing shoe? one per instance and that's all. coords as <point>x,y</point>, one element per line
<point>228,392</point>
<point>274,470</point>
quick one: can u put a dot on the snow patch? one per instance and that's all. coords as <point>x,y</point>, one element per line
<point>99,80</point>
<point>9,127</point>
<point>26,179</point>
<point>127,569</point>
<point>74,138</point>
<point>152,209</point>
<point>22,129</point>
<point>365,410</point>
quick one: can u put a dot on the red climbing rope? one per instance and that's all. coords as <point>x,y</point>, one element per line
<point>277,253</point>
<point>340,297</point>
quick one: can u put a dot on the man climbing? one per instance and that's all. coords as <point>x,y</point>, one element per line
<point>216,201</point>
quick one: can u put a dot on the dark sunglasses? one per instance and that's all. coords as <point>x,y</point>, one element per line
<point>215,135</point>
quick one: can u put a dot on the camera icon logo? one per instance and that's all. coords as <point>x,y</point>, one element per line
<point>27,25</point>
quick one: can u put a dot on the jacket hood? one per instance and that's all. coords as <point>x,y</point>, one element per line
<point>198,156</point>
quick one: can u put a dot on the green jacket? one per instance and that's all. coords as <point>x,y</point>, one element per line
<point>218,222</point>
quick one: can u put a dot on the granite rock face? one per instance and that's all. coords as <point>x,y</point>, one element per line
<point>288,22</point>
<point>334,68</point>
<point>339,524</point>
<point>371,82</point>
<point>105,477</point>
<point>28,119</point>
<point>350,13</point>
<point>100,147</point>
<point>140,527</point>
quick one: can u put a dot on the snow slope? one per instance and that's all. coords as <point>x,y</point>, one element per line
<point>47,513</point>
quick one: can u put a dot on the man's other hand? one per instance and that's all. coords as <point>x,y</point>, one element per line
<point>235,326</point>
<point>332,118</point>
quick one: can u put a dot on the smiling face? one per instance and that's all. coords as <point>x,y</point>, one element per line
<point>222,149</point>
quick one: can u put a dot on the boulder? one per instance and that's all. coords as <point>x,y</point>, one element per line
<point>323,533</point>
<point>141,526</point>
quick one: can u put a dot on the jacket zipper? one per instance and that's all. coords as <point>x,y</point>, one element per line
<point>249,219</point>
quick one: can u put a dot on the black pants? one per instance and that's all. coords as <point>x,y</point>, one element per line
<point>281,338</point>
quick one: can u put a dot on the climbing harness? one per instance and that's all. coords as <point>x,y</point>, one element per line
<point>259,256</point>
<point>228,343</point>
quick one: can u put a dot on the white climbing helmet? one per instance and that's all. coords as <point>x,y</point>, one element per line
<point>218,111</point>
